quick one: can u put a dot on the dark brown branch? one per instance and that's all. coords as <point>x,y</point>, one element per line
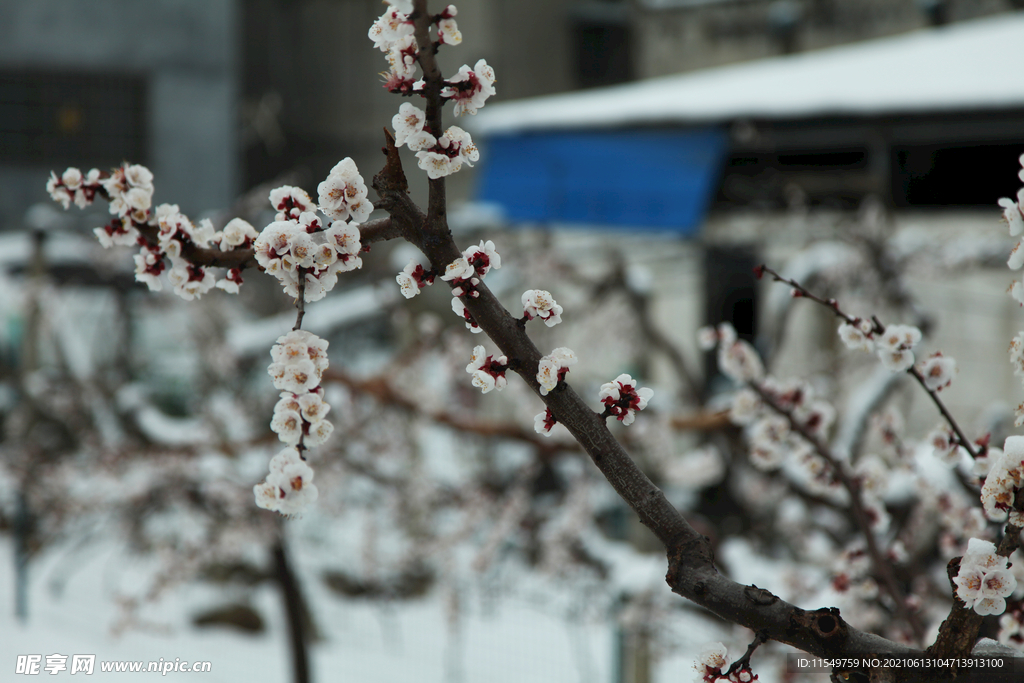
<point>691,573</point>
<point>300,299</point>
<point>291,595</point>
<point>381,390</point>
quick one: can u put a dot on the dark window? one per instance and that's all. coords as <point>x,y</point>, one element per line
<point>57,118</point>
<point>602,44</point>
<point>941,175</point>
<point>730,295</point>
<point>834,178</point>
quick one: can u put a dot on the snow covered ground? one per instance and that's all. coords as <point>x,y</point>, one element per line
<point>530,635</point>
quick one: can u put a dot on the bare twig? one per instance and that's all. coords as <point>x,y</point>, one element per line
<point>879,328</point>
<point>860,516</point>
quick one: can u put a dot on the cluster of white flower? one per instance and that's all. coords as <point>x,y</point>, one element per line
<point>176,234</point>
<point>448,153</point>
<point>984,582</point>
<point>544,422</point>
<point>72,186</point>
<point>488,371</point>
<point>447,30</point>
<point>894,348</point>
<point>851,572</point>
<point>622,399</point>
<point>713,659</point>
<point>289,487</point>
<point>1011,627</point>
<point>1003,481</point>
<point>129,189</point>
<point>343,194</point>
<point>736,358</point>
<point>299,359</point>
<point>414,278</point>
<point>859,335</point>
<point>711,662</point>
<point>392,33</point>
<point>770,435</point>
<point>538,303</point>
<point>296,247</point>
<point>552,368</point>
<point>937,371</point>
<point>465,273</point>
<point>946,445</point>
<point>470,88</point>
<point>439,157</point>
<point>895,344</point>
<point>1013,212</point>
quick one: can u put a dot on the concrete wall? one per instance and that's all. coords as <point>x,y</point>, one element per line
<point>185,50</point>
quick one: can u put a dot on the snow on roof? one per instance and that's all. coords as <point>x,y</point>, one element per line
<point>970,65</point>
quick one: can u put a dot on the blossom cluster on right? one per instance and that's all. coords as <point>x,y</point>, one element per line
<point>984,581</point>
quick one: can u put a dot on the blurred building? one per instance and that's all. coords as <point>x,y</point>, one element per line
<point>95,83</point>
<point>757,159</point>
<point>218,96</point>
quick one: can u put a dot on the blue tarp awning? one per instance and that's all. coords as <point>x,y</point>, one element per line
<point>661,179</point>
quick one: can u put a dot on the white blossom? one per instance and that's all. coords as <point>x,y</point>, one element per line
<point>1016,352</point>
<point>855,338</point>
<point>938,371</point>
<point>739,361</point>
<point>470,88</point>
<point>289,487</point>
<point>622,399</point>
<point>313,408</point>
<point>1005,477</point>
<point>745,407</point>
<point>482,257</point>
<point>488,371</point>
<point>538,303</point>
<point>448,32</point>
<point>552,368</point>
<point>290,202</point>
<point>1016,259</point>
<point>543,422</point>
<point>287,424</point>
<point>413,278</point>
<point>235,233</point>
<point>984,581</point>
<point>460,310</point>
<point>318,434</point>
<point>712,660</point>
<point>409,125</point>
<point>390,27</point>
<point>453,149</point>
<point>343,193</point>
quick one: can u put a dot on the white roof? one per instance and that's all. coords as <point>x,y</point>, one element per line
<point>970,65</point>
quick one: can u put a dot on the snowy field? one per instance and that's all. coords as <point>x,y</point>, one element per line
<point>530,636</point>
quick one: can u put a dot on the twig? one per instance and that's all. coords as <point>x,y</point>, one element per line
<point>879,328</point>
<point>300,300</point>
<point>882,567</point>
<point>744,662</point>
